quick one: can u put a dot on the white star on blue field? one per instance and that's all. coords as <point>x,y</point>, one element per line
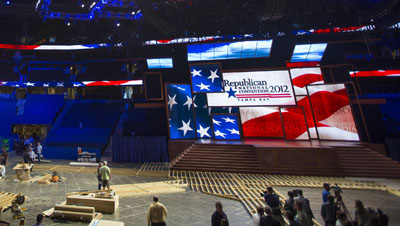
<point>206,78</point>
<point>226,127</point>
<point>180,110</point>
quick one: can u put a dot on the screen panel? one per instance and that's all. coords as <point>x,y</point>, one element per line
<point>206,78</point>
<point>332,112</point>
<point>308,52</point>
<point>304,102</point>
<point>301,77</point>
<point>377,73</point>
<point>179,104</point>
<point>294,123</point>
<point>203,116</point>
<point>256,88</point>
<point>226,127</point>
<point>261,122</point>
<point>159,63</point>
<point>229,50</point>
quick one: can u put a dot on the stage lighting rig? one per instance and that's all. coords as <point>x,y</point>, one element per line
<point>88,10</point>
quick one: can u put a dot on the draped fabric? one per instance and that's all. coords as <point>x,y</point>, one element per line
<point>139,149</point>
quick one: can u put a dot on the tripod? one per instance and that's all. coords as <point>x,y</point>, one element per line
<point>341,206</point>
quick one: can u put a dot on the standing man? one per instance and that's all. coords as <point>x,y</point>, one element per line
<point>105,175</point>
<point>4,157</point>
<point>218,215</point>
<point>257,216</point>
<point>31,153</point>
<point>328,212</point>
<point>305,206</point>
<point>157,213</point>
<point>325,192</point>
<point>272,200</point>
<point>39,151</point>
<point>39,220</point>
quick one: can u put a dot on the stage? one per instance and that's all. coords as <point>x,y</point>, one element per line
<point>313,158</point>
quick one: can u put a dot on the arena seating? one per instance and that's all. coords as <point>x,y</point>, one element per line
<point>88,125</point>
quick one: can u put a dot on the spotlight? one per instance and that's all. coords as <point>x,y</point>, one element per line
<point>8,2</point>
<point>68,24</point>
<point>133,13</point>
<point>118,24</point>
<point>83,5</point>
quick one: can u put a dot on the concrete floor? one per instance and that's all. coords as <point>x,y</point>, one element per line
<point>189,208</point>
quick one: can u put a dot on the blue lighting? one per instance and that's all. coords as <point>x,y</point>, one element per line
<point>229,50</point>
<point>308,52</point>
<point>96,10</point>
<point>159,63</point>
<point>8,2</point>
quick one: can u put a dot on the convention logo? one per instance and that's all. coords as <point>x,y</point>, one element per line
<point>248,90</point>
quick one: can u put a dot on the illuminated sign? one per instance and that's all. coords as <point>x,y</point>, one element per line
<point>257,88</point>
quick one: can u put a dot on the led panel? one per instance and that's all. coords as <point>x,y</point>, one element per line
<point>378,73</point>
<point>332,112</point>
<point>308,52</point>
<point>254,88</point>
<point>226,127</point>
<point>159,63</point>
<point>229,50</point>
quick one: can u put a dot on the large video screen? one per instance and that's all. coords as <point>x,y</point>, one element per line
<point>301,77</point>
<point>332,112</point>
<point>261,122</point>
<point>229,50</point>
<point>308,52</point>
<point>256,88</point>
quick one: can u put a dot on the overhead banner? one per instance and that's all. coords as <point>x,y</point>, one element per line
<point>256,88</point>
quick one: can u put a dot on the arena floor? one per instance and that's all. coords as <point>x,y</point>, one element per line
<point>184,208</point>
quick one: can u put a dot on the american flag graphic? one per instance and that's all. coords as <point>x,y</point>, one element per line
<point>180,108</point>
<point>206,78</point>
<point>301,77</point>
<point>226,127</point>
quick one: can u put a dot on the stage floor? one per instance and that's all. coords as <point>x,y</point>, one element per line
<point>278,143</point>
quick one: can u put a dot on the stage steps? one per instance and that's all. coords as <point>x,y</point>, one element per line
<point>219,158</point>
<point>366,162</point>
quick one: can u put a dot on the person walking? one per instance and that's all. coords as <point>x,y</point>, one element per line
<point>157,213</point>
<point>218,215</point>
<point>105,175</point>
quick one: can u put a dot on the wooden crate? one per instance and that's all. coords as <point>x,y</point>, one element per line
<point>100,204</point>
